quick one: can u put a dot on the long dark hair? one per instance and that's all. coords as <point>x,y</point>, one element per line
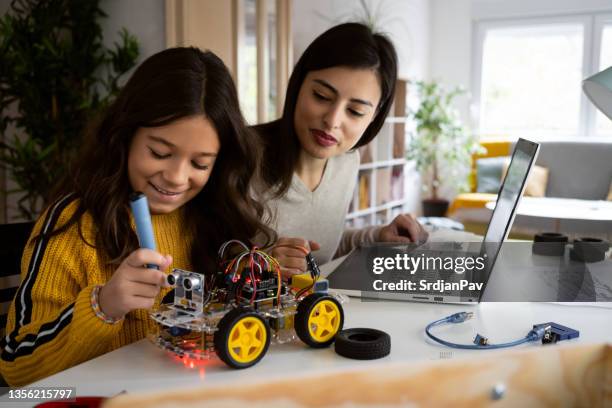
<point>351,45</point>
<point>172,84</point>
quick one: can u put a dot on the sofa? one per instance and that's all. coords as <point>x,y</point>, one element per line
<point>576,169</point>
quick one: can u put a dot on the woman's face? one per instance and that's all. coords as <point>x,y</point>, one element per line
<point>171,164</point>
<point>334,108</point>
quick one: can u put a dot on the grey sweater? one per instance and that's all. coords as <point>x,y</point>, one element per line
<point>319,215</point>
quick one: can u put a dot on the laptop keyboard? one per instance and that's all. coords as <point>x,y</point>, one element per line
<point>443,250</point>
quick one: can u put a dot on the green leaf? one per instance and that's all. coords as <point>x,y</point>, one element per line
<point>440,145</point>
<point>53,62</point>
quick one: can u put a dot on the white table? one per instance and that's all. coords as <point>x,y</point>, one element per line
<point>141,367</point>
<point>559,209</point>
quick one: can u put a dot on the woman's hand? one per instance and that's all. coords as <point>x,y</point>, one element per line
<point>291,254</point>
<point>404,228</point>
<point>133,286</point>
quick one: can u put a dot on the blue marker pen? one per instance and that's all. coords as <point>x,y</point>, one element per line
<point>142,218</point>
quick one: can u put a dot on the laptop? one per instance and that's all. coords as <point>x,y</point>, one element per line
<point>389,271</point>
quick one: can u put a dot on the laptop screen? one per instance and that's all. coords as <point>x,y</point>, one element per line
<point>356,273</point>
<point>509,195</point>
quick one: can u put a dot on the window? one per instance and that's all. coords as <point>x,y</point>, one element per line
<point>263,58</point>
<point>528,77</point>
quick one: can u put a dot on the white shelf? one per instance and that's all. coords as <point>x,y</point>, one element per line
<point>384,163</point>
<point>396,119</point>
<point>372,210</point>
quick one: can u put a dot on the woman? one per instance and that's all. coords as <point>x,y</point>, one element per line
<point>339,94</point>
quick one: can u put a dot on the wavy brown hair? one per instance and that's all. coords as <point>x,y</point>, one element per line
<point>170,85</point>
<point>352,45</point>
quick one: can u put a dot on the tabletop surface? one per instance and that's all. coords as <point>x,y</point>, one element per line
<point>141,367</point>
<point>563,208</point>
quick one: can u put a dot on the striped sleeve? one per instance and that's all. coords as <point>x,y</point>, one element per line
<point>51,325</point>
<point>352,238</point>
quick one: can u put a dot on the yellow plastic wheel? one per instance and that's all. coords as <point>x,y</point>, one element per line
<point>247,339</point>
<point>242,338</point>
<point>319,318</point>
<point>324,320</point>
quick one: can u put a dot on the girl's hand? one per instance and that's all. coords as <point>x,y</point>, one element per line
<point>291,254</point>
<point>133,286</point>
<point>404,228</point>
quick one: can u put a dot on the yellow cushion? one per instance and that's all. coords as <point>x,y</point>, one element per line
<point>610,193</point>
<point>471,200</point>
<point>537,181</point>
<point>496,148</point>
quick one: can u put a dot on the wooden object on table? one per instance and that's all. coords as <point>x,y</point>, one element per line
<point>559,376</point>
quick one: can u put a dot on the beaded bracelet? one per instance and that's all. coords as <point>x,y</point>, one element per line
<point>95,305</point>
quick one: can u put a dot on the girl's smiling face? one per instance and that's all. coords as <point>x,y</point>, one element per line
<point>171,164</point>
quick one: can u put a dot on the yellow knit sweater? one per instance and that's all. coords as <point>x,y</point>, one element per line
<point>51,325</point>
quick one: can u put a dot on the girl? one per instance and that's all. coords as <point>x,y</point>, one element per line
<point>175,133</point>
<point>338,97</point>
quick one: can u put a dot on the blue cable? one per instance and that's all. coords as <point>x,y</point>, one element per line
<point>480,342</point>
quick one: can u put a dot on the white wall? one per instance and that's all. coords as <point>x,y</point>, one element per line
<point>450,49</point>
<point>145,19</point>
<point>452,25</point>
<point>405,21</point>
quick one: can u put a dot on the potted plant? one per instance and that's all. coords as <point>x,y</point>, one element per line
<point>55,76</point>
<point>440,146</point>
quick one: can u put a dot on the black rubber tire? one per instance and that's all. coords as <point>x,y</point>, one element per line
<point>301,319</point>
<point>223,331</point>
<point>363,344</point>
<point>549,244</point>
<point>589,250</point>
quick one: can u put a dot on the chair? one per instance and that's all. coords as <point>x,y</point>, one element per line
<point>478,200</point>
<point>13,238</point>
<point>469,208</point>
